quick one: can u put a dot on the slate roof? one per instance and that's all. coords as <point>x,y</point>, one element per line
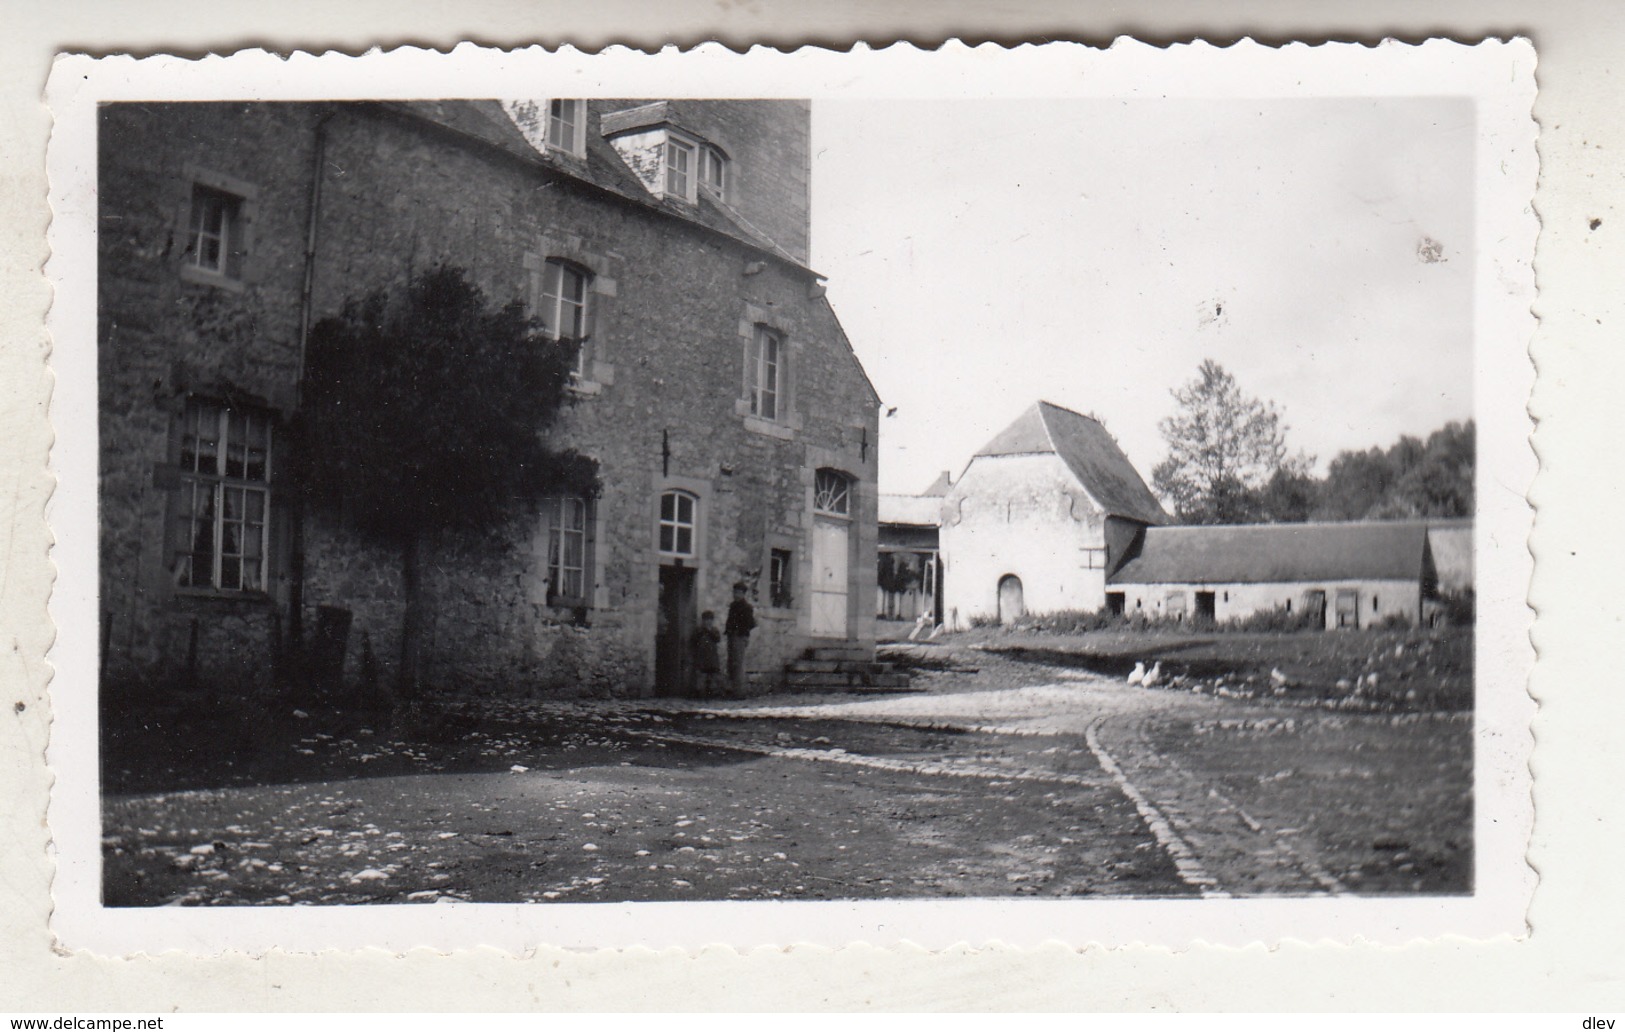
<point>1277,553</point>
<point>485,120</point>
<point>911,510</point>
<point>1088,451</point>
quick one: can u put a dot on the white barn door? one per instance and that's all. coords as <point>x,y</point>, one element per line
<point>829,568</point>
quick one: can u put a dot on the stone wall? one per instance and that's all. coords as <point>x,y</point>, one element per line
<point>163,336</point>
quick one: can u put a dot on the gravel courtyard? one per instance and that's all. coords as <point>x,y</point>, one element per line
<point>997,776</point>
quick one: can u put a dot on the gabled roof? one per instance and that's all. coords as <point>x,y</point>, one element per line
<point>1277,553</point>
<point>1088,451</point>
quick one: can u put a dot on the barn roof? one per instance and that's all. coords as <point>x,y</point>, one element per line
<point>1088,451</point>
<point>1277,553</point>
<point>911,510</point>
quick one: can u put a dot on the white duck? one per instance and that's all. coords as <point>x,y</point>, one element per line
<point>1137,675</point>
<point>1154,676</point>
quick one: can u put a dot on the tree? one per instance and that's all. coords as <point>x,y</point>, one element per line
<point>1223,450</point>
<point>1438,481</point>
<point>427,409</point>
<point>1290,497</point>
<point>1408,479</point>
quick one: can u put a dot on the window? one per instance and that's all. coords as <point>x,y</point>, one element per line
<point>679,168</point>
<point>713,172</point>
<point>677,523</point>
<point>221,526</point>
<point>564,311</point>
<point>567,554</point>
<point>763,363</point>
<point>214,237</point>
<point>832,494</point>
<point>778,578</point>
<point>566,125</point>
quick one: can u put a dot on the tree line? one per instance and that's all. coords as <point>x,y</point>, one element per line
<point>1228,462</point>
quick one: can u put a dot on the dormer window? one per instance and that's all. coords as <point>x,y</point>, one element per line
<point>691,165</point>
<point>551,126</point>
<point>673,163</point>
<point>679,168</point>
<point>713,172</point>
<point>567,125</point>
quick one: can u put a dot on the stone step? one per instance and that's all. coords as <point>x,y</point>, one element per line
<point>839,679</point>
<point>839,652</point>
<point>887,681</point>
<point>822,680</point>
<point>832,666</point>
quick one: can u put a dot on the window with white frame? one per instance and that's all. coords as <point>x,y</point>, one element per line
<point>221,528</point>
<point>567,125</point>
<point>679,168</point>
<point>763,372</point>
<point>215,232</point>
<point>832,493</point>
<point>569,557</point>
<point>566,289</point>
<point>678,512</point>
<point>714,172</point>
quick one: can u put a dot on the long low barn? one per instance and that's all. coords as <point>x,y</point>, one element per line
<point>1345,574</point>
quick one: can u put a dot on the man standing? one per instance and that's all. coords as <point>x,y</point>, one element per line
<point>741,621</point>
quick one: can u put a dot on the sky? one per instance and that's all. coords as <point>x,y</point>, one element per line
<point>986,254</point>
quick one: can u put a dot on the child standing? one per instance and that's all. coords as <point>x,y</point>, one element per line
<point>707,664</point>
<point>741,621</point>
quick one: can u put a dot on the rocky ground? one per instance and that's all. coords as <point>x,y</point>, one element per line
<point>1015,768</point>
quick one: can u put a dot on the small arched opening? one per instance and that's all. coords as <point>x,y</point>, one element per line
<point>1012,606</point>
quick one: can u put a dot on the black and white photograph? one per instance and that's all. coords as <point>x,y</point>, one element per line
<point>564,501</point>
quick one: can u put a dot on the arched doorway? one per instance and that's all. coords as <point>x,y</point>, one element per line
<point>1011,606</point>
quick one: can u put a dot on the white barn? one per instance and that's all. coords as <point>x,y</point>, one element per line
<point>1039,516</point>
<point>1347,575</point>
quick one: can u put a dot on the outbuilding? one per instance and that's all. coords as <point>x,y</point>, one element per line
<point>1336,575</point>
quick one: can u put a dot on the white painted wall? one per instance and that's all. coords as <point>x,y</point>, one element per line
<point>1237,601</point>
<point>1024,515</point>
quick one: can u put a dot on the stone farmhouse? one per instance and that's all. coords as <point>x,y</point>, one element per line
<point>734,427</point>
<point>1038,518</point>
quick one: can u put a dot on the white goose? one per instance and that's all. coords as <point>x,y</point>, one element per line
<point>1154,676</point>
<point>1137,675</point>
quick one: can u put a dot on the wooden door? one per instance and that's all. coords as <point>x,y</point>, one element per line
<point>674,629</point>
<point>829,571</point>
